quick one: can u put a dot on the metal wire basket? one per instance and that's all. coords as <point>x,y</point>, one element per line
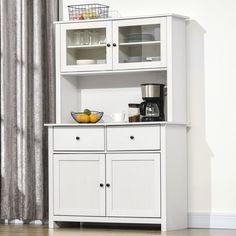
<point>88,11</point>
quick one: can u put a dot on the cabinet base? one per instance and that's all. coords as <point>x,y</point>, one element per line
<point>119,220</point>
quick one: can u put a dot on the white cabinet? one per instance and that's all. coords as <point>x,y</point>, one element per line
<point>77,184</point>
<point>113,44</point>
<point>126,172</point>
<point>147,186</point>
<point>131,187</point>
<point>134,185</point>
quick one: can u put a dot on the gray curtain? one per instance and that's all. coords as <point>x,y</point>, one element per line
<point>27,102</point>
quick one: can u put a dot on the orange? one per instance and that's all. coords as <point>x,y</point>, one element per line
<point>93,118</point>
<point>82,118</point>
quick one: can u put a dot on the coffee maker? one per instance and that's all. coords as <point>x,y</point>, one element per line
<point>152,108</point>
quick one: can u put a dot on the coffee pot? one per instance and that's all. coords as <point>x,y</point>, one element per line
<point>152,108</point>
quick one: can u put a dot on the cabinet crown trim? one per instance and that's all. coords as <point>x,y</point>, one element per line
<point>125,18</point>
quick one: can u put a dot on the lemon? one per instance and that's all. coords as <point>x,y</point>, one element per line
<point>93,118</point>
<point>82,118</point>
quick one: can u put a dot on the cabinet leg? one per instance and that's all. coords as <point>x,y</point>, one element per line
<point>163,227</point>
<point>52,224</point>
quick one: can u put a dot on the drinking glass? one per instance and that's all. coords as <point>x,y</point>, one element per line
<point>87,37</point>
<point>78,38</point>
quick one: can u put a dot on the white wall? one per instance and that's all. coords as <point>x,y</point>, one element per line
<point>211,39</point>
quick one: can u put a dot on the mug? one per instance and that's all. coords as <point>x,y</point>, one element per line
<point>118,117</point>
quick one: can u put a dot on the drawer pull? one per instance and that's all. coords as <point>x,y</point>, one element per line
<point>108,185</point>
<point>101,185</point>
<point>77,138</point>
<point>132,137</point>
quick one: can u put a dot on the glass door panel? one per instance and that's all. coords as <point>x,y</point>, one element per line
<point>86,48</point>
<point>141,43</point>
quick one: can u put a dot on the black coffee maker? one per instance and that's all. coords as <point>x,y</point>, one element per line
<point>152,109</point>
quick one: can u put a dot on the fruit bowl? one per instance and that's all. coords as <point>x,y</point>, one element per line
<point>87,117</point>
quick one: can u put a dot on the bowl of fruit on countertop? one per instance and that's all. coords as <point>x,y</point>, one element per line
<point>87,116</point>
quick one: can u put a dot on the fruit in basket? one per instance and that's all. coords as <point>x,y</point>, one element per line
<point>93,118</point>
<point>82,118</point>
<point>87,116</point>
<point>89,14</point>
<point>87,111</point>
<point>80,17</point>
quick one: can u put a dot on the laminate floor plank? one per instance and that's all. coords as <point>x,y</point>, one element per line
<point>42,230</point>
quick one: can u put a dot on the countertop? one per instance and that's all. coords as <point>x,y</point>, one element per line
<point>114,124</point>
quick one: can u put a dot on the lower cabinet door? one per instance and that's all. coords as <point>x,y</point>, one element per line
<point>133,185</point>
<point>79,184</point>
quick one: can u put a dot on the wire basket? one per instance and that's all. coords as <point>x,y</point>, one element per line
<point>88,11</point>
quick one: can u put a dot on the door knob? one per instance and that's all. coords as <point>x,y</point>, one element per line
<point>77,138</point>
<point>114,44</point>
<point>101,185</point>
<point>108,185</point>
<point>132,137</point>
<point>108,45</point>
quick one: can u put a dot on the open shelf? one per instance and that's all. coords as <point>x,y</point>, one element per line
<point>103,92</point>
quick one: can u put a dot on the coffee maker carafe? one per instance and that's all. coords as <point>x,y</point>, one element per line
<point>152,108</point>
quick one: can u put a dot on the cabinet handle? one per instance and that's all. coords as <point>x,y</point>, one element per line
<point>108,185</point>
<point>101,185</point>
<point>77,138</point>
<point>132,137</point>
<point>108,45</point>
<point>114,44</point>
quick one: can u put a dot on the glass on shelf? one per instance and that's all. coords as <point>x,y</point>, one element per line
<point>87,37</point>
<point>99,37</point>
<point>102,38</point>
<point>78,38</point>
<point>95,38</point>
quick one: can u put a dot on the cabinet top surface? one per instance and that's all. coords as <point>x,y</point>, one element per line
<point>124,18</point>
<point>117,124</point>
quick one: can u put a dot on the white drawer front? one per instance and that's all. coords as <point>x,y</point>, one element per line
<point>133,138</point>
<point>79,138</point>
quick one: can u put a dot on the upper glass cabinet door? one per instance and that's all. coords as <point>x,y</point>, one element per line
<point>84,46</point>
<point>140,43</point>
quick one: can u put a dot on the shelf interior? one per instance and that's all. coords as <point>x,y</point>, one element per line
<point>106,93</point>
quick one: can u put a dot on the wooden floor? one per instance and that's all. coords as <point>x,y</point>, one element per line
<point>39,230</point>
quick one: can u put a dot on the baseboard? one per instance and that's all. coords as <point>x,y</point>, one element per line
<point>213,221</point>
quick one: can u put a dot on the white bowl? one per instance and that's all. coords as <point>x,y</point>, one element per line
<point>85,62</point>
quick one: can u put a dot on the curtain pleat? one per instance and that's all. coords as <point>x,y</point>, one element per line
<point>27,102</point>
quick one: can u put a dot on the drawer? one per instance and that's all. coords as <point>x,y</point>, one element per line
<point>79,138</point>
<point>133,138</point>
